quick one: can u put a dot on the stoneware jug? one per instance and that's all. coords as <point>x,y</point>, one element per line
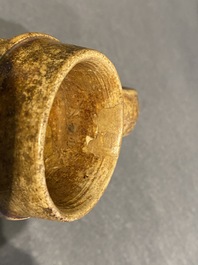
<point>63,114</point>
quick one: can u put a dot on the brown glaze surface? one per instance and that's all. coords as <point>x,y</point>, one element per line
<point>62,115</point>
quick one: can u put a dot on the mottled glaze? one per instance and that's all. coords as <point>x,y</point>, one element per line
<point>63,114</point>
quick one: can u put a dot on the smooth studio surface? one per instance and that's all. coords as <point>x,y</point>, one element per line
<point>149,212</point>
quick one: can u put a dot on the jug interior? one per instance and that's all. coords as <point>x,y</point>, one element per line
<point>83,136</point>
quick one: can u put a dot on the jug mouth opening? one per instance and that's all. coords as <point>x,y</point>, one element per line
<point>83,136</point>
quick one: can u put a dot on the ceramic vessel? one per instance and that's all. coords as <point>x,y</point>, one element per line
<point>63,114</point>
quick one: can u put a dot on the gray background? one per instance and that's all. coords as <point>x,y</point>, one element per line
<point>149,213</point>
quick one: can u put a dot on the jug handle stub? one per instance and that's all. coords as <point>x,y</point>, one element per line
<point>131,109</point>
